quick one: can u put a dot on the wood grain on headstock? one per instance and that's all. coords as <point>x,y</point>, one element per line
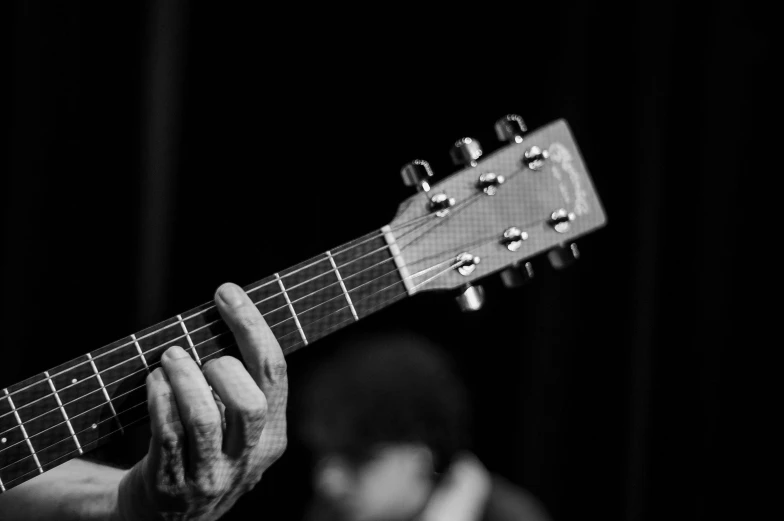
<point>476,223</point>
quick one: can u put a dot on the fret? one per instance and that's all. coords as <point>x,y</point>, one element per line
<point>101,384</point>
<point>316,297</point>
<point>42,424</point>
<point>15,452</point>
<point>18,418</point>
<point>209,333</point>
<point>65,415</point>
<point>370,274</point>
<point>190,342</point>
<point>155,340</point>
<point>342,286</point>
<point>141,353</point>
<point>291,309</point>
<point>85,401</point>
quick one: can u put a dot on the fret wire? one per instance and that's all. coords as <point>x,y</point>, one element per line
<point>84,412</point>
<point>354,289</point>
<point>105,392</point>
<point>223,349</point>
<point>94,426</point>
<point>340,296</point>
<point>24,431</point>
<point>62,410</point>
<point>190,342</point>
<point>7,395</point>
<point>226,332</point>
<point>2,487</point>
<point>209,339</point>
<point>139,387</point>
<point>364,240</point>
<point>97,373</point>
<point>135,339</point>
<point>303,297</point>
<point>354,246</point>
<point>141,353</point>
<point>291,308</point>
<point>343,286</point>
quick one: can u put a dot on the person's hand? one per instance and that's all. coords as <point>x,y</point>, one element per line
<point>197,466</point>
<point>462,493</point>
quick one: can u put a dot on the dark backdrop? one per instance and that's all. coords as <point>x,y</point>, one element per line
<point>159,149</point>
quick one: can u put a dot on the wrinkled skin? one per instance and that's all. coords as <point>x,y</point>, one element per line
<point>209,447</point>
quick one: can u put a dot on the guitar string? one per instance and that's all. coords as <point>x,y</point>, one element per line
<point>455,264</point>
<point>478,242</point>
<point>209,340</point>
<point>338,296</point>
<point>100,388</point>
<point>190,332</point>
<point>465,202</point>
<point>84,396</point>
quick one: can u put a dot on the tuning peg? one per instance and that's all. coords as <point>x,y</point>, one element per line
<point>471,298</point>
<point>417,173</point>
<point>564,255</point>
<point>465,151</point>
<point>510,128</point>
<point>517,275</point>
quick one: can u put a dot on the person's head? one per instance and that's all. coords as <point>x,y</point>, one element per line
<point>383,417</point>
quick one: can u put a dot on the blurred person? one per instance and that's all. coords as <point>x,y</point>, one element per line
<point>388,423</point>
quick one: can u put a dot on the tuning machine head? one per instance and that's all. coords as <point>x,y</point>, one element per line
<point>465,152</point>
<point>510,129</point>
<point>518,275</point>
<point>471,298</point>
<point>563,256</point>
<point>417,173</point>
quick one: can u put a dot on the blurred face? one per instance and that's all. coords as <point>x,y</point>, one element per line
<point>393,485</point>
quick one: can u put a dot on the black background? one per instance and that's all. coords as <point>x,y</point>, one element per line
<point>159,149</point>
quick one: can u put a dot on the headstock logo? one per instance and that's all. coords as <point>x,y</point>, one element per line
<point>561,161</point>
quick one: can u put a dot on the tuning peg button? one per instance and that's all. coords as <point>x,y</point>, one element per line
<point>466,151</point>
<point>535,157</point>
<point>417,173</point>
<point>471,298</point>
<point>510,129</point>
<point>564,255</point>
<point>517,275</point>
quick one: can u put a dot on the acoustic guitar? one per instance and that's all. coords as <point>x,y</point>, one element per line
<point>531,197</point>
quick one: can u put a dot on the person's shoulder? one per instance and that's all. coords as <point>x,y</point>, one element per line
<point>508,502</point>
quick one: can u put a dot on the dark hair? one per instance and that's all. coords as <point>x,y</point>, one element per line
<point>381,389</point>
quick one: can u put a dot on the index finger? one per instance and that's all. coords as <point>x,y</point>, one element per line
<point>259,347</point>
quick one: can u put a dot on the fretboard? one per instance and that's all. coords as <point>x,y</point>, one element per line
<point>86,402</point>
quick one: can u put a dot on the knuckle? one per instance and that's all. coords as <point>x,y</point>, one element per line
<point>206,424</point>
<point>208,486</point>
<point>277,369</point>
<point>169,440</point>
<point>254,411</point>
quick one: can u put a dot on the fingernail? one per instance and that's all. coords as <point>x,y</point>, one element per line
<point>175,352</point>
<point>231,295</point>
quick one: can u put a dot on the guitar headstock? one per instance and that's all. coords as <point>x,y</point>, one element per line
<point>530,197</point>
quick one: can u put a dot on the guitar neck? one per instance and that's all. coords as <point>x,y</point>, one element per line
<point>86,402</point>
